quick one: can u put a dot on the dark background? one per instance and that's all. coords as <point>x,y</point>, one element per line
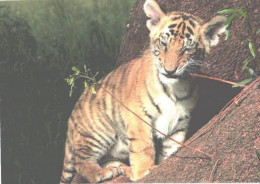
<point>40,41</point>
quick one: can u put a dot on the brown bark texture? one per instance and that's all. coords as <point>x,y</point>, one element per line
<point>235,137</point>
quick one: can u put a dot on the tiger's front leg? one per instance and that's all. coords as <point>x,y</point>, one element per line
<point>169,146</point>
<point>142,153</point>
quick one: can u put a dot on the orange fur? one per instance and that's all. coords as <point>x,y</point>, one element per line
<point>102,134</point>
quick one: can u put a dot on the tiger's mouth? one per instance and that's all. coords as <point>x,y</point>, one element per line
<point>172,76</point>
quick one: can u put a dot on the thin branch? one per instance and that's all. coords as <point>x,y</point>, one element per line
<point>208,155</point>
<point>213,78</point>
<point>212,172</point>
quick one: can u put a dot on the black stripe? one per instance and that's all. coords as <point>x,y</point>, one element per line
<point>69,170</point>
<point>192,23</point>
<point>104,94</point>
<point>180,25</point>
<point>100,146</point>
<point>108,142</point>
<point>151,100</point>
<point>132,139</point>
<point>183,28</point>
<point>120,118</point>
<point>90,108</point>
<point>172,31</point>
<point>185,17</point>
<point>172,25</point>
<point>101,114</point>
<point>175,18</point>
<point>109,120</point>
<point>73,120</point>
<point>86,135</point>
<point>163,43</point>
<point>190,30</point>
<point>148,115</point>
<point>113,102</point>
<point>164,89</point>
<point>107,80</point>
<point>81,157</point>
<point>106,126</point>
<point>88,151</point>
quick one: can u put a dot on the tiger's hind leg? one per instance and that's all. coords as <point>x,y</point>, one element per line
<point>68,171</point>
<point>86,163</point>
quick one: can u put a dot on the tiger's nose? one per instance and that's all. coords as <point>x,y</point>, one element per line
<point>169,72</point>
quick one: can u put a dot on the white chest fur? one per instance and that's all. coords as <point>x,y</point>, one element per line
<point>172,109</point>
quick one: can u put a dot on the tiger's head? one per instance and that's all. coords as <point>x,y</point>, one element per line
<point>180,41</point>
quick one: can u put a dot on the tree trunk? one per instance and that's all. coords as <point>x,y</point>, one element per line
<point>233,139</point>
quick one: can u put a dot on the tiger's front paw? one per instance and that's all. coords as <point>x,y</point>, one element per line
<point>138,175</point>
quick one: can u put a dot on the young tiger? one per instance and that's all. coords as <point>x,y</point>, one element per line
<point>157,87</point>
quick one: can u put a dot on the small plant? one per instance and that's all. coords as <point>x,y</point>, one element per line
<point>249,38</point>
<point>89,80</point>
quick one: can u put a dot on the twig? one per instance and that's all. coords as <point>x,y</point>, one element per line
<point>212,172</point>
<point>213,78</point>
<point>194,149</point>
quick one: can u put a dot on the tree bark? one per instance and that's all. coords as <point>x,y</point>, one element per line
<point>232,140</point>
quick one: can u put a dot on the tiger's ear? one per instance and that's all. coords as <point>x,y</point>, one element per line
<point>153,11</point>
<point>214,28</point>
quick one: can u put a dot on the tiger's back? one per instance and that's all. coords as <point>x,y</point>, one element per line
<point>102,133</point>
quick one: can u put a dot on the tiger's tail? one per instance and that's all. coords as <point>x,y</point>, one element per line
<point>68,171</point>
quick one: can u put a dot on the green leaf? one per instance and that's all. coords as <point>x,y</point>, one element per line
<point>76,70</point>
<point>85,85</point>
<point>258,154</point>
<point>93,91</point>
<point>258,31</point>
<point>241,12</point>
<point>230,18</point>
<point>85,68</point>
<point>251,71</point>
<point>246,61</point>
<point>70,81</point>
<point>227,11</point>
<point>242,83</point>
<point>251,47</point>
<point>227,33</point>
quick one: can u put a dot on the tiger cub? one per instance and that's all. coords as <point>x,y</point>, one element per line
<point>157,87</point>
